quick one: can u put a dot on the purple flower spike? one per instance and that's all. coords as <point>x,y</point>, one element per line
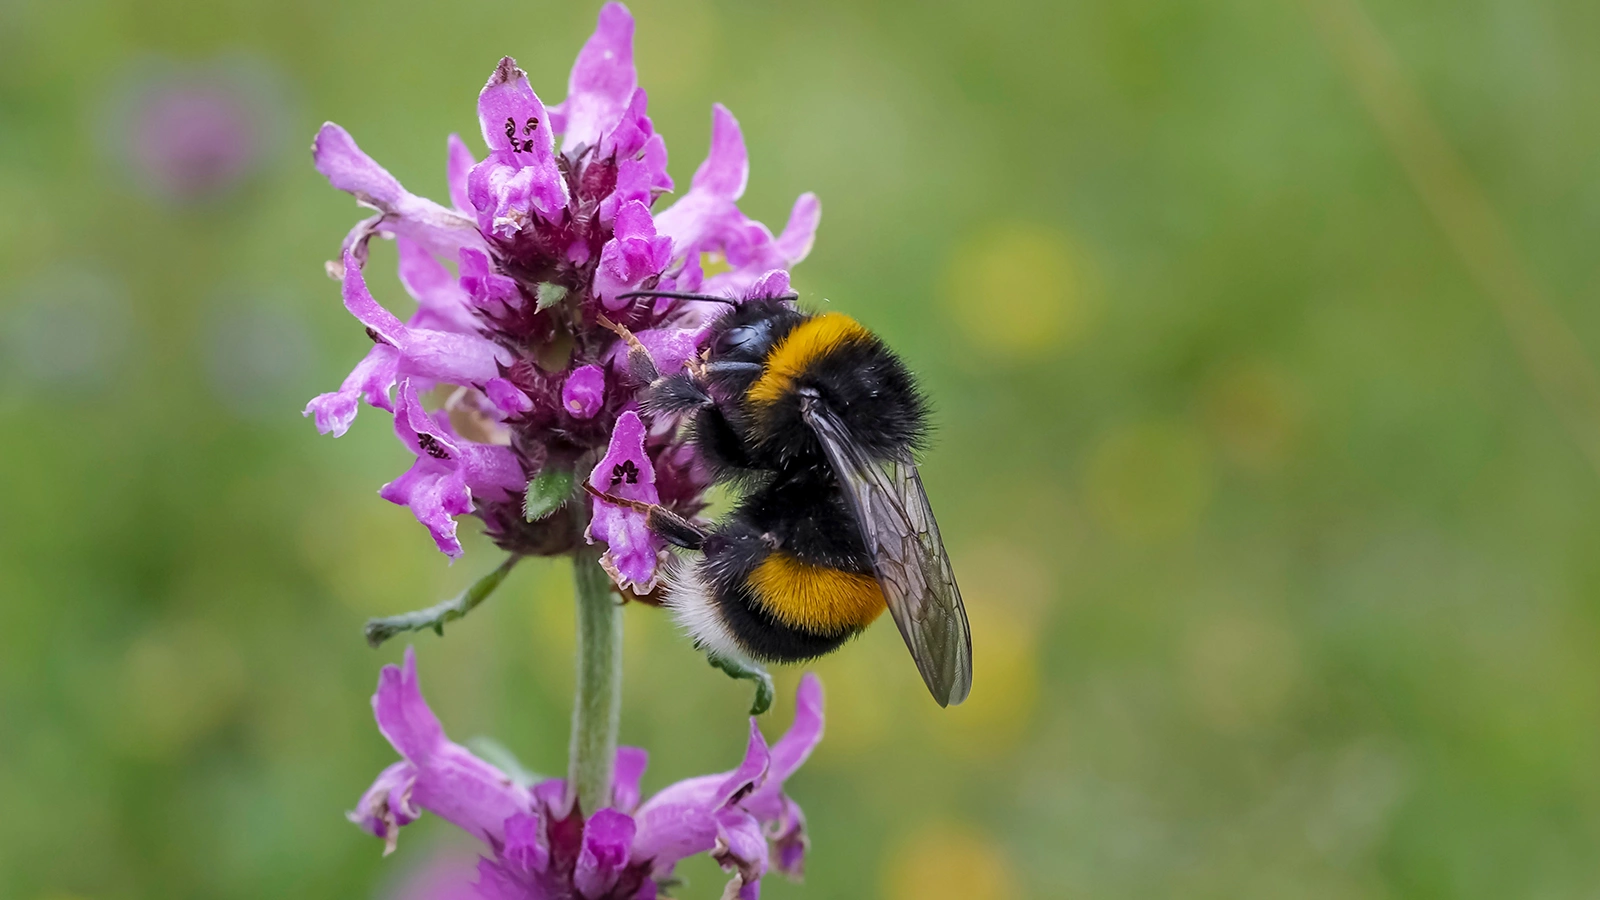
<point>632,549</point>
<point>520,177</point>
<point>602,82</point>
<point>542,244</point>
<point>584,393</point>
<point>538,849</point>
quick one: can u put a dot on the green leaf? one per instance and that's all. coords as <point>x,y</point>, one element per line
<point>434,617</point>
<point>546,492</point>
<point>550,294</point>
<point>747,671</point>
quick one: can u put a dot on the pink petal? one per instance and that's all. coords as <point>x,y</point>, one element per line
<point>602,81</point>
<point>460,162</point>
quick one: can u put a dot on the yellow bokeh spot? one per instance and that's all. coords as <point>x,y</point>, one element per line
<point>1239,672</point>
<point>375,558</point>
<point>177,682</point>
<point>677,44</point>
<point>1150,480</point>
<point>1005,688</point>
<point>1018,288</point>
<point>862,700</point>
<point>944,861</point>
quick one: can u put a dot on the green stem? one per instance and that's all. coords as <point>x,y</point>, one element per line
<point>597,705</point>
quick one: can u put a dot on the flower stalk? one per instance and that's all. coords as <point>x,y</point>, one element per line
<point>597,702</point>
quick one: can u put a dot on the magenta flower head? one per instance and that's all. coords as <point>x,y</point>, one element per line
<point>510,369</point>
<point>538,845</point>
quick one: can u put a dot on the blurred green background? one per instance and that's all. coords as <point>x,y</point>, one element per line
<point>1282,570</point>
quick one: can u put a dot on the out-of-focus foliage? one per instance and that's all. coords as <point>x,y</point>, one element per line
<point>1283,575</point>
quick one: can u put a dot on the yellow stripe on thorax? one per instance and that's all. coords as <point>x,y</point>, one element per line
<point>798,349</point>
<point>814,598</point>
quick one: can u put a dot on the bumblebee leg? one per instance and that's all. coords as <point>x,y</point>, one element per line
<point>640,362</point>
<point>676,394</point>
<point>668,525</point>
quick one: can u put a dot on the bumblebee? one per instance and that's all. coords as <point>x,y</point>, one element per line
<point>817,420</point>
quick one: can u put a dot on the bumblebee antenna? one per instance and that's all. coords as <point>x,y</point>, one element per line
<point>683,295</point>
<point>678,295</point>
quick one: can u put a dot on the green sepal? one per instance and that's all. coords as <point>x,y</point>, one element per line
<point>549,294</point>
<point>547,491</point>
<point>434,617</point>
<point>747,671</point>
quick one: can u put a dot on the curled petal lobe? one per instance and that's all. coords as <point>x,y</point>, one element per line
<point>634,253</point>
<point>794,245</point>
<point>726,169</point>
<point>386,806</point>
<point>432,354</point>
<point>487,289</point>
<point>507,397</point>
<point>441,230</point>
<point>741,848</point>
<point>449,781</point>
<point>607,839</point>
<point>683,819</point>
<point>448,471</point>
<point>751,773</point>
<point>350,170</point>
<point>442,305</point>
<point>458,166</point>
<point>525,847</point>
<point>603,79</point>
<point>639,178</point>
<point>625,471</point>
<point>708,208</point>
<point>772,284</point>
<point>670,348</point>
<point>630,766</point>
<point>584,392</point>
<point>789,839</point>
<point>372,378</point>
<point>794,748</point>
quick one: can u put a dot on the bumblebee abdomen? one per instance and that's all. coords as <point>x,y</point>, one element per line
<point>815,599</point>
<point>834,358</point>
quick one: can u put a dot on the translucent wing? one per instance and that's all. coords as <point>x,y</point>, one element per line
<point>908,556</point>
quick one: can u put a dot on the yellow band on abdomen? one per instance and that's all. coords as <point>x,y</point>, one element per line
<point>798,349</point>
<point>815,599</point>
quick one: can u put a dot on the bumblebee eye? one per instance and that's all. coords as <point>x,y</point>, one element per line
<point>743,339</point>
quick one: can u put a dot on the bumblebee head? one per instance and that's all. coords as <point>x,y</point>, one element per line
<point>749,333</point>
